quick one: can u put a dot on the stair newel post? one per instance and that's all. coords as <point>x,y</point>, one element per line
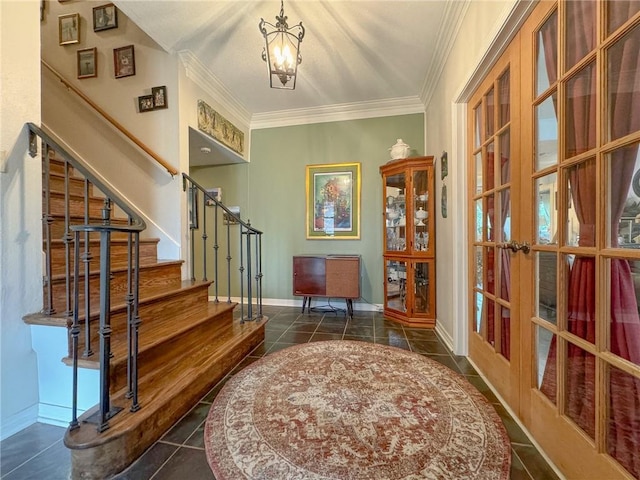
<point>47,220</point>
<point>193,226</point>
<point>259,273</point>
<point>75,333</point>
<point>249,289</point>
<point>204,237</point>
<point>135,406</point>
<point>216,247</point>
<point>86,258</point>
<point>105,328</point>
<point>242,233</point>
<point>67,238</point>
<point>229,261</point>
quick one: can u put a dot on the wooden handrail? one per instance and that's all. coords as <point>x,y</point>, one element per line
<point>113,121</point>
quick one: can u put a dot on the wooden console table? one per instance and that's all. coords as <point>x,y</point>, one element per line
<point>331,276</point>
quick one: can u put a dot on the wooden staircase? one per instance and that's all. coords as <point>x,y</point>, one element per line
<point>186,343</point>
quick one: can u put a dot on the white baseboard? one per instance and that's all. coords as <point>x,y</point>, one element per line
<point>288,302</point>
<point>445,336</point>
<point>19,421</point>
<point>55,414</point>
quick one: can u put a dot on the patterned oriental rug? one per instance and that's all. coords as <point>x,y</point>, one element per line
<point>353,410</point>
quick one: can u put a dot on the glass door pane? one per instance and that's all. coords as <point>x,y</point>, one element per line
<point>396,220</point>
<point>421,288</point>
<point>396,275</point>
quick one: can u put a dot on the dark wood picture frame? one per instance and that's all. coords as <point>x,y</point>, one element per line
<point>145,103</point>
<point>87,62</point>
<point>105,17</point>
<point>124,61</point>
<point>159,97</point>
<point>69,28</point>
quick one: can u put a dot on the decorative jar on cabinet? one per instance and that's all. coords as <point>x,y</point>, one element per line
<point>409,241</point>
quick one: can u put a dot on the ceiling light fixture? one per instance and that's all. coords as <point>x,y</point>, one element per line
<point>282,50</point>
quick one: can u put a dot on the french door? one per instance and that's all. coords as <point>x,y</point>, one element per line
<point>555,233</point>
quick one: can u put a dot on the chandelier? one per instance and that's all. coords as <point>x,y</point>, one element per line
<point>282,50</point>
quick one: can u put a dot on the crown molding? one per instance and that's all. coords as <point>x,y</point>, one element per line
<point>449,28</point>
<point>338,112</point>
<point>205,79</point>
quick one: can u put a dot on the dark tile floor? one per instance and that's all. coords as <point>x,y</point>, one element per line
<point>38,452</point>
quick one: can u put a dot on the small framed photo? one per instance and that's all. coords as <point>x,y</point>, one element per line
<point>145,103</point>
<point>159,97</point>
<point>87,63</point>
<point>105,17</point>
<point>124,61</point>
<point>444,166</point>
<point>69,28</point>
<point>216,193</point>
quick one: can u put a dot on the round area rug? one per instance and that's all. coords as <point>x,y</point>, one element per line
<point>353,410</point>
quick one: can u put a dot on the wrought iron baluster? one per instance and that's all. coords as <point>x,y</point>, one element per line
<point>135,406</point>
<point>249,290</point>
<point>241,269</point>
<point>105,329</point>
<point>47,220</point>
<point>229,262</point>
<point>129,301</point>
<point>67,238</point>
<point>86,258</point>
<point>75,333</point>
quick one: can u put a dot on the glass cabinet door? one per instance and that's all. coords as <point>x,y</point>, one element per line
<point>396,285</point>
<point>421,283</point>
<point>396,213</point>
<point>420,211</point>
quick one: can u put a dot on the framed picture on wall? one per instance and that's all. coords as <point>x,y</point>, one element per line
<point>145,103</point>
<point>333,201</point>
<point>87,63</point>
<point>124,61</point>
<point>69,28</point>
<point>105,17</point>
<point>159,97</point>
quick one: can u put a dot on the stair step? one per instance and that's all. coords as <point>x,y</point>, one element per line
<point>56,165</point>
<point>76,184</point>
<point>165,395</point>
<point>119,251</point>
<point>190,298</point>
<point>76,204</point>
<point>161,341</point>
<point>153,277</point>
<point>58,227</point>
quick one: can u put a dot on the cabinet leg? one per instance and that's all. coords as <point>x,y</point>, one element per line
<point>304,303</point>
<point>350,308</point>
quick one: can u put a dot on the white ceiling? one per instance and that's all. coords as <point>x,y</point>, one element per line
<point>358,56</point>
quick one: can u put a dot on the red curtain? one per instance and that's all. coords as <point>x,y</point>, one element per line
<point>624,397</point>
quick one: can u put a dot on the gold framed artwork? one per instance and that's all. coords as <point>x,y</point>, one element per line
<point>87,63</point>
<point>69,28</point>
<point>333,201</point>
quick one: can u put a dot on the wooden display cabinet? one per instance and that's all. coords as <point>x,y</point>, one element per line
<point>409,241</point>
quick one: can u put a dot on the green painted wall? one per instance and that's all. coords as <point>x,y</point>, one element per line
<point>275,193</point>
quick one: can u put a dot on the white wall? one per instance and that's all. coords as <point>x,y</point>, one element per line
<point>20,212</point>
<point>445,126</point>
<point>139,179</point>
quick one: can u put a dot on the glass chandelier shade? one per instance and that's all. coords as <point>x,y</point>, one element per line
<point>282,50</point>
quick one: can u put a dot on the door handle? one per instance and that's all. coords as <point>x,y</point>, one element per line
<point>515,246</point>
